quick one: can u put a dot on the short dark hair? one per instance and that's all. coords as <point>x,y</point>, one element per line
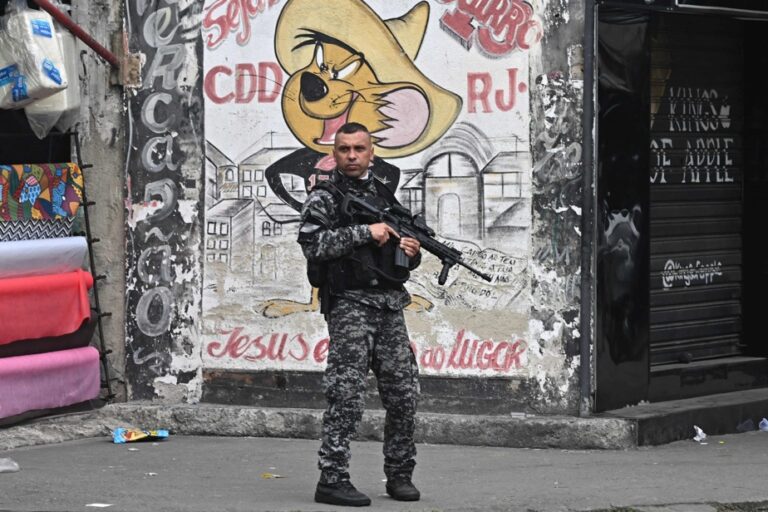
<point>350,128</point>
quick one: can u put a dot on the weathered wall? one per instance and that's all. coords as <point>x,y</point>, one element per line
<point>451,111</point>
<point>495,168</point>
<point>163,199</point>
<point>486,132</point>
<point>556,135</point>
<point>102,131</point>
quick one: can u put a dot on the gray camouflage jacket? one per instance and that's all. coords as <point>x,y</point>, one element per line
<point>322,239</point>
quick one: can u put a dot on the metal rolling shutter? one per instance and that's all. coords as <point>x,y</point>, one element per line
<point>697,111</point>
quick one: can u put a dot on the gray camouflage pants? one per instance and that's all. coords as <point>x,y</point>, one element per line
<point>363,337</point>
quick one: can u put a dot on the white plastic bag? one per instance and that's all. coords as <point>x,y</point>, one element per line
<point>63,108</point>
<point>71,113</point>
<point>31,62</point>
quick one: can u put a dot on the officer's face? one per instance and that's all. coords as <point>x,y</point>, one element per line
<point>353,153</point>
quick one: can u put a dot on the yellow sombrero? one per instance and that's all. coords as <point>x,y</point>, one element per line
<point>389,46</point>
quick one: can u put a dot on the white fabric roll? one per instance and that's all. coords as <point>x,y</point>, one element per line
<point>41,257</point>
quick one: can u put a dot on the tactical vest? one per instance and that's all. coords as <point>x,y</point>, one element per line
<point>369,266</point>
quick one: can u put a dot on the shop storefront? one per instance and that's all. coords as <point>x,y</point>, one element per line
<point>680,271</point>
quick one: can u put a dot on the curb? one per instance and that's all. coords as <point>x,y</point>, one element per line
<point>514,431</point>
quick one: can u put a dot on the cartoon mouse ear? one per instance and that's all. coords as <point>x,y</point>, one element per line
<point>407,116</point>
<point>410,28</point>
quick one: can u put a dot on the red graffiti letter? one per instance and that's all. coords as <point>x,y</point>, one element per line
<point>321,350</point>
<point>304,348</point>
<point>266,95</point>
<point>483,361</point>
<point>260,347</point>
<point>215,345</point>
<point>473,95</point>
<point>209,85</point>
<point>245,82</point>
<point>459,24</point>
<point>508,105</point>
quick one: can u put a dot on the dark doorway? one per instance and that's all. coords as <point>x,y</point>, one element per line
<point>679,315</point>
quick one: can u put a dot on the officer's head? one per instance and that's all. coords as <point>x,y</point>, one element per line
<point>353,150</point>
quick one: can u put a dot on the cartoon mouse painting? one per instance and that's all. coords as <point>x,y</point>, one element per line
<point>347,64</point>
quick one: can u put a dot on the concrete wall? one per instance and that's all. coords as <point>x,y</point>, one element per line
<point>102,128</point>
<point>486,132</point>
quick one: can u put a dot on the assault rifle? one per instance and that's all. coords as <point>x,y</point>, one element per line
<point>406,224</point>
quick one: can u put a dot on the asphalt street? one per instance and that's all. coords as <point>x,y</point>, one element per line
<point>265,474</point>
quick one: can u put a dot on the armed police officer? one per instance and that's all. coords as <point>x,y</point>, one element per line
<point>362,296</point>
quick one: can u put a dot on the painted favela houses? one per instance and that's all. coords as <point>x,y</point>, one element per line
<point>445,89</point>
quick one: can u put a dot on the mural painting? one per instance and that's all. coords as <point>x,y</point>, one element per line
<point>443,87</point>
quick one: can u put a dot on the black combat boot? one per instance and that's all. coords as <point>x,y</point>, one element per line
<point>402,489</point>
<point>341,493</point>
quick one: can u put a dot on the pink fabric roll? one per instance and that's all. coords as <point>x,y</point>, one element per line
<point>43,306</point>
<point>47,381</point>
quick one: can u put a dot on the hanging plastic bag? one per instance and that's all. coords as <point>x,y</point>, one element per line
<point>31,62</point>
<point>71,113</point>
<point>61,109</point>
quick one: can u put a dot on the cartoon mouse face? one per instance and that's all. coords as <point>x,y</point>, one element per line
<point>336,87</point>
<point>359,72</point>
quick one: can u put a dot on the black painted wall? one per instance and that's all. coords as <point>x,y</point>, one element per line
<point>164,191</point>
<point>755,188</point>
<point>622,367</point>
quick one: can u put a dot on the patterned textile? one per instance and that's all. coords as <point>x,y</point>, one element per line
<point>40,191</point>
<point>33,230</point>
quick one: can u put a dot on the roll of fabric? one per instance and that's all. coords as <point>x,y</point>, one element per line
<point>47,381</point>
<point>40,257</point>
<point>80,338</point>
<point>43,306</point>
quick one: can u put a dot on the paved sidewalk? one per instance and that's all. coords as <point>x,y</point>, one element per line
<point>207,474</point>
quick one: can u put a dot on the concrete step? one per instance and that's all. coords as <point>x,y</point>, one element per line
<point>514,431</point>
<point>664,422</point>
<point>644,424</point>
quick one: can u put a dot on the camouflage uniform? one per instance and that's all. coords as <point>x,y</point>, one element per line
<point>367,331</point>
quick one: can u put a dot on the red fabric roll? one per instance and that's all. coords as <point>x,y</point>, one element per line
<point>43,306</point>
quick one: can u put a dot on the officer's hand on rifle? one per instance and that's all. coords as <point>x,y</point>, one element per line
<point>410,246</point>
<point>381,233</point>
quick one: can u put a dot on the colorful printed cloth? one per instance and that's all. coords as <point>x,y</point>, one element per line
<point>40,191</point>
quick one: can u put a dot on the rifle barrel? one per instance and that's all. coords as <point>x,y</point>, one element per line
<point>475,271</point>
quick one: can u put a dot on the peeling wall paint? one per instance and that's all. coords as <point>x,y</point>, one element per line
<point>557,102</point>
<point>163,199</point>
<point>186,315</point>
